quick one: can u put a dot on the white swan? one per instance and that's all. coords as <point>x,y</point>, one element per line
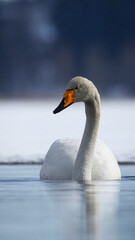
<point>89,160</point>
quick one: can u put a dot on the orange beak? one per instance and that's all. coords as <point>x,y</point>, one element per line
<point>68,99</point>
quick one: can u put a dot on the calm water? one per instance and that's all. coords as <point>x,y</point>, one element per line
<point>34,209</point>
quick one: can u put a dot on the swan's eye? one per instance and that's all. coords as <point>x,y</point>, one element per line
<point>76,88</point>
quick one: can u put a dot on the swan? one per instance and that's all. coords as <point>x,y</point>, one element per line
<point>90,159</point>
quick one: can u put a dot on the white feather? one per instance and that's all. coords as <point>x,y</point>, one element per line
<point>89,159</point>
<point>60,160</point>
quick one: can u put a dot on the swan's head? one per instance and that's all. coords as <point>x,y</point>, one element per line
<point>79,89</point>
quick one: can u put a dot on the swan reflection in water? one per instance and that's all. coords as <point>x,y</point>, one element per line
<point>101,208</point>
<point>80,210</point>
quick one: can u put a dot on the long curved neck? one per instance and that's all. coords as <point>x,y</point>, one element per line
<point>83,164</point>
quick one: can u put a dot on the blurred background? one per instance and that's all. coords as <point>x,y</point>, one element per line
<point>44,43</point>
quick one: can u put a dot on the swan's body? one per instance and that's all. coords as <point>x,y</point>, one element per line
<point>60,160</point>
<point>89,160</point>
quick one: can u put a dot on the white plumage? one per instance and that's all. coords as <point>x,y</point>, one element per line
<point>89,159</point>
<point>60,160</point>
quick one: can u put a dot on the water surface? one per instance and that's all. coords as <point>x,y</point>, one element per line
<point>34,209</point>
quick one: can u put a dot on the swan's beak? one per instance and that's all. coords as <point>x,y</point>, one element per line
<point>68,99</point>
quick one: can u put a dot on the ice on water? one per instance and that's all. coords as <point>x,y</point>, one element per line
<point>28,127</point>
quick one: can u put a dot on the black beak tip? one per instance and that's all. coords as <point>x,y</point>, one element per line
<point>55,111</point>
<point>60,107</point>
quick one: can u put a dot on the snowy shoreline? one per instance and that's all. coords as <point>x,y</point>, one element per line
<point>28,128</point>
